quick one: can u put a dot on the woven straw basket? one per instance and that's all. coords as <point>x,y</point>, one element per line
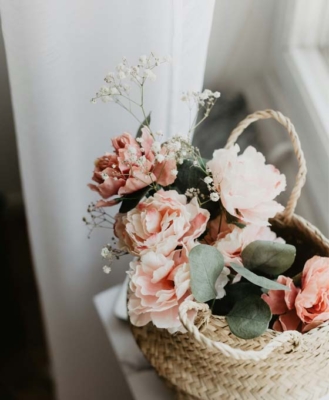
<point>210,363</point>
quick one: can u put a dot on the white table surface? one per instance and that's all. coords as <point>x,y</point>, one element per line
<point>141,378</point>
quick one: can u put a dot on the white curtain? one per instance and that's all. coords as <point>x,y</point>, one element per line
<point>58,53</point>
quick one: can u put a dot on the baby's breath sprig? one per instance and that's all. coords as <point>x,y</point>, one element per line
<point>111,253</point>
<point>119,84</point>
<point>98,218</point>
<point>199,100</point>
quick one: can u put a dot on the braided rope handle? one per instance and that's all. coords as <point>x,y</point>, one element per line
<point>293,338</point>
<point>301,175</point>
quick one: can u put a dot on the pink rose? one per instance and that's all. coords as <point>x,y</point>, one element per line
<point>312,302</point>
<point>247,186</point>
<point>131,168</point>
<point>163,222</point>
<point>159,284</point>
<point>232,242</point>
<point>282,303</point>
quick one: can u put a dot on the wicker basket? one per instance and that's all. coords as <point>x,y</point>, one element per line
<point>209,362</point>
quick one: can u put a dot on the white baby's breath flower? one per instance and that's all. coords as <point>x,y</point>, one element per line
<point>216,95</point>
<point>174,172</point>
<point>195,163</point>
<point>156,147</point>
<point>160,158</point>
<point>106,99</point>
<point>109,77</point>
<point>107,269</point>
<point>143,59</point>
<point>132,150</point>
<point>114,91</point>
<point>93,101</point>
<point>149,74</point>
<point>121,75</point>
<point>159,133</point>
<point>208,180</point>
<point>214,196</point>
<point>105,252</point>
<point>104,90</point>
<point>120,67</point>
<point>139,140</point>
<point>105,176</point>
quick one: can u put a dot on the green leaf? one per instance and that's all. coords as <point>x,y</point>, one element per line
<point>240,290</point>
<point>271,258</point>
<point>258,280</point>
<point>249,317</point>
<point>130,201</point>
<point>146,122</point>
<point>206,264</point>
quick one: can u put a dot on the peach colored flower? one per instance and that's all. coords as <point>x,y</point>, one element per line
<point>312,302</point>
<point>247,186</point>
<point>232,242</point>
<point>282,303</point>
<point>163,222</point>
<point>159,284</point>
<point>131,168</point>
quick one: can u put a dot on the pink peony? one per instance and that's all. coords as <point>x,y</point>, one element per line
<point>159,284</point>
<point>131,168</point>
<point>232,242</point>
<point>247,186</point>
<point>312,302</point>
<point>163,222</point>
<point>282,303</point>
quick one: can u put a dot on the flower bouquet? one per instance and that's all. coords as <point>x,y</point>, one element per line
<point>229,291</point>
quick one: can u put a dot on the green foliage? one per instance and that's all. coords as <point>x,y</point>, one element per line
<point>249,317</point>
<point>271,258</point>
<point>146,122</point>
<point>206,264</point>
<point>258,280</point>
<point>130,201</point>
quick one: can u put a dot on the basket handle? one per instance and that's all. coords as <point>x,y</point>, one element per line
<point>301,175</point>
<point>293,338</point>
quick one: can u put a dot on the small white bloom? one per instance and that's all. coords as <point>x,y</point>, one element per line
<point>216,95</point>
<point>106,99</point>
<point>105,252</point>
<point>180,161</point>
<point>105,176</point>
<point>143,59</point>
<point>113,165</point>
<point>195,163</point>
<point>214,196</point>
<point>93,101</point>
<point>159,133</point>
<point>208,180</point>
<point>149,74</point>
<point>156,147</point>
<point>114,90</point>
<point>104,90</point>
<point>121,75</point>
<point>109,77</point>
<point>160,158</point>
<point>107,269</point>
<point>174,172</point>
<point>132,150</point>
<point>139,140</point>
<point>120,67</point>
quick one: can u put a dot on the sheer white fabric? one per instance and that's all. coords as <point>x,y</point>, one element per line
<point>58,53</point>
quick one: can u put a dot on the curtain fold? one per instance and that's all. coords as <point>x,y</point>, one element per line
<point>58,53</point>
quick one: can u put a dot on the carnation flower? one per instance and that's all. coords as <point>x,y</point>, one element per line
<point>162,222</point>
<point>130,168</point>
<point>159,284</point>
<point>247,186</point>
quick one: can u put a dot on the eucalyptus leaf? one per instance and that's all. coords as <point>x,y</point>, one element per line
<point>249,317</point>
<point>272,258</point>
<point>258,280</point>
<point>146,122</point>
<point>206,264</point>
